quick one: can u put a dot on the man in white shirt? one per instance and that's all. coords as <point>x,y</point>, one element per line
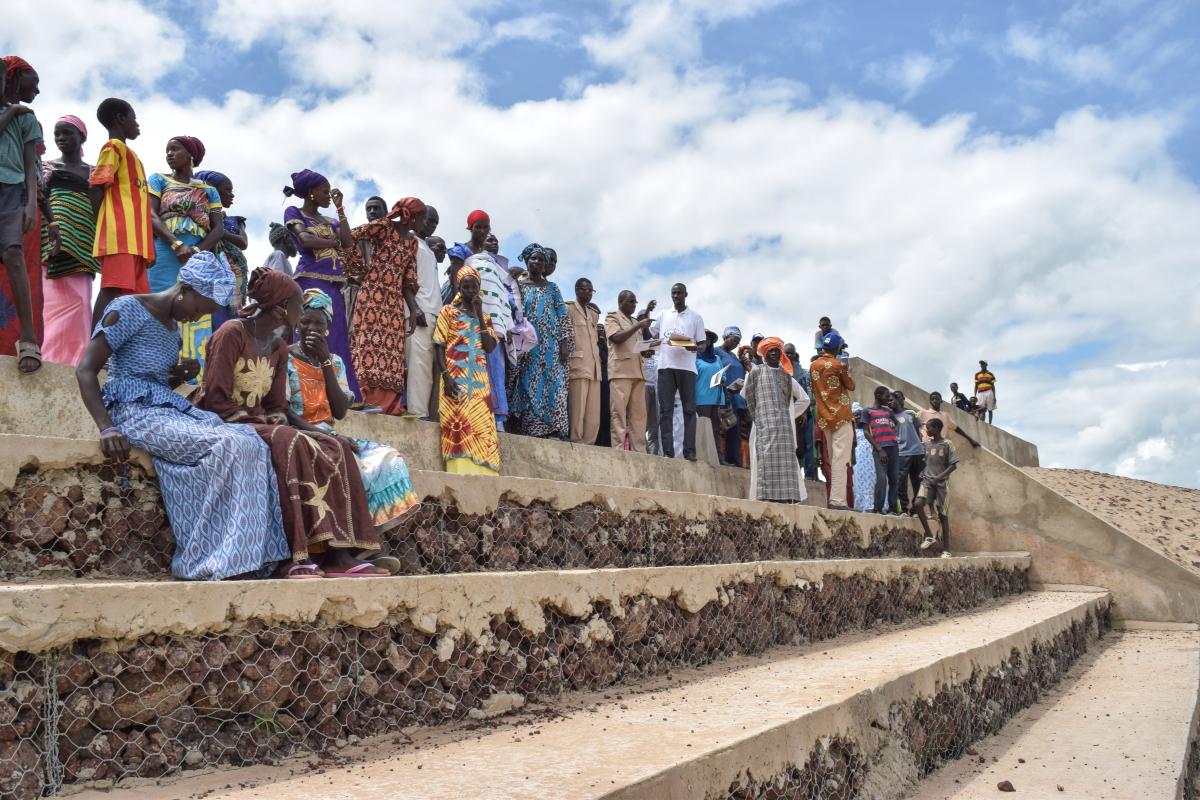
<point>418,345</point>
<point>677,370</point>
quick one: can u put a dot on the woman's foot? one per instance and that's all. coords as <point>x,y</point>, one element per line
<point>340,564</point>
<point>304,570</point>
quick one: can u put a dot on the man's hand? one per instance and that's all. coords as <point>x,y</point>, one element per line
<point>114,446</point>
<point>30,217</point>
<point>883,457</point>
<point>563,355</point>
<point>185,370</point>
<point>419,318</point>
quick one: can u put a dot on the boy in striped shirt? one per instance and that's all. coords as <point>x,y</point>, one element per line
<point>124,242</point>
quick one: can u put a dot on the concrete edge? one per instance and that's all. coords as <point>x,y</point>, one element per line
<point>36,617</point>
<point>767,753</point>
<point>1151,625</point>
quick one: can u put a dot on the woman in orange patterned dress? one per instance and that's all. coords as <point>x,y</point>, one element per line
<point>389,284</point>
<point>325,514</point>
<point>462,339</point>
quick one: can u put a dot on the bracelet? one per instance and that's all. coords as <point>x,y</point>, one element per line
<point>109,430</point>
<point>327,363</point>
<point>52,225</point>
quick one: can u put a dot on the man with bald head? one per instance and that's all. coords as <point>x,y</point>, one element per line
<point>626,381</point>
<point>681,330</point>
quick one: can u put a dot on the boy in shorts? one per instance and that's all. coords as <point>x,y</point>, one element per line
<point>124,242</point>
<point>20,136</point>
<point>940,461</point>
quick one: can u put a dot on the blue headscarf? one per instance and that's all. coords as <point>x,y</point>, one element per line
<point>304,182</point>
<point>210,275</point>
<point>211,177</point>
<point>317,299</point>
<point>533,249</point>
<point>460,251</point>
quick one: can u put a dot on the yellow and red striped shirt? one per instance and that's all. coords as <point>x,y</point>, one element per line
<point>123,225</point>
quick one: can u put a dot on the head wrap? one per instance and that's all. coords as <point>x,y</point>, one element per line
<point>212,177</point>
<point>277,234</point>
<point>209,275</point>
<point>319,301</point>
<point>269,289</point>
<point>404,210</point>
<point>477,216</point>
<point>532,250</point>
<point>76,123</point>
<point>460,251</point>
<point>775,343</point>
<point>15,64</point>
<point>465,271</point>
<point>194,146</point>
<point>304,182</point>
<point>732,330</point>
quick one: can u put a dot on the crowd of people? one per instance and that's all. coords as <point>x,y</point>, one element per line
<point>388,318</point>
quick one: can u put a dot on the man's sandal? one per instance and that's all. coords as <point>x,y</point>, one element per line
<point>28,351</point>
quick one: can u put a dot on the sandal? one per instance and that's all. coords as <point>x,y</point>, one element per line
<point>29,350</point>
<point>305,570</point>
<point>390,563</point>
<point>357,571</point>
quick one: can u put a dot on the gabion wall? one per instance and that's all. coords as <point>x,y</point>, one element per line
<point>931,731</point>
<point>108,710</point>
<point>104,521</point>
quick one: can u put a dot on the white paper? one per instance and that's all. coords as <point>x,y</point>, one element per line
<point>716,379</point>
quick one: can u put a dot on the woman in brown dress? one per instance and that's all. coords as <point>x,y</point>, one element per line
<point>325,515</point>
<point>389,284</point>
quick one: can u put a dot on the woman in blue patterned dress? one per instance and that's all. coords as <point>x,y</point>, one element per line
<point>540,397</point>
<point>216,480</point>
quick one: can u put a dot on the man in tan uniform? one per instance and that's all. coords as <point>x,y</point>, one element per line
<point>626,380</point>
<point>583,392</point>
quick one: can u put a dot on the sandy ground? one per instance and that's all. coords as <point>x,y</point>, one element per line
<point>1166,518</point>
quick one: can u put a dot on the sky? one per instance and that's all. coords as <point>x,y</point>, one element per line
<point>1010,181</point>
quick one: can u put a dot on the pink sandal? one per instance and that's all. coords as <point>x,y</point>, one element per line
<point>357,572</point>
<point>304,571</point>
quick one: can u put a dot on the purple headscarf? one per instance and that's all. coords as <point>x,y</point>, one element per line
<point>304,182</point>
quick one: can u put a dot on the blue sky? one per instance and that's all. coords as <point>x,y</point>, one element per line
<point>951,181</point>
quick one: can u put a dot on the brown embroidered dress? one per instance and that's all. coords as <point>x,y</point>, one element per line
<point>320,487</point>
<point>377,332</point>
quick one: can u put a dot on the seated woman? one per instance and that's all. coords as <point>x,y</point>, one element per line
<point>216,480</point>
<point>462,339</point>
<point>318,394</point>
<point>325,512</point>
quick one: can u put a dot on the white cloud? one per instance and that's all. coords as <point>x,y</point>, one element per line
<point>535,27</point>
<point>909,73</point>
<point>931,245</point>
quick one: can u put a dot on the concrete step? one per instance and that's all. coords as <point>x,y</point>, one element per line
<point>863,717</point>
<point>47,403</point>
<point>107,681</point>
<point>1121,726</point>
<point>65,513</point>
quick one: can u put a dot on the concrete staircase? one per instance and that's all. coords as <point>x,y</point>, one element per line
<point>580,637</point>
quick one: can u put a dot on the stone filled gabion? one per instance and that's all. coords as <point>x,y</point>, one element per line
<point>101,521</point>
<point>927,732</point>
<point>110,710</point>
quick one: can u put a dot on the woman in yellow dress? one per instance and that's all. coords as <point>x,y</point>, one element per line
<point>462,339</point>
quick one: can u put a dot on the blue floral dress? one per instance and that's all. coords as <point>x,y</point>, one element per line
<point>216,480</point>
<point>540,399</point>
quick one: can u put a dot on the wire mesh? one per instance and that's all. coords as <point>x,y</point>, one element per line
<point>100,521</point>
<point>103,710</point>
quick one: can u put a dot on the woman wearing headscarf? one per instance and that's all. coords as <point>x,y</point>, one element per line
<point>462,339</point>
<point>540,396</point>
<point>388,286</point>
<point>324,504</point>
<point>774,402</point>
<point>318,395</point>
<point>69,266</point>
<point>231,244</point>
<point>185,213</point>
<point>321,242</point>
<point>217,481</point>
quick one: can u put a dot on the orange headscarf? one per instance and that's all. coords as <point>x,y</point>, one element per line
<point>775,343</point>
<point>404,210</point>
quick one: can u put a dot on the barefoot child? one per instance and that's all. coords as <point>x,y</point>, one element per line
<point>124,242</point>
<point>940,461</point>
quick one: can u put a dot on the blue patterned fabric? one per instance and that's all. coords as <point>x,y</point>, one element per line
<point>540,399</point>
<point>142,352</point>
<point>219,488</point>
<point>864,474</point>
<point>216,480</point>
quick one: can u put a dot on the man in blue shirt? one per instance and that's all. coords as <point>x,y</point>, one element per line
<point>735,379</point>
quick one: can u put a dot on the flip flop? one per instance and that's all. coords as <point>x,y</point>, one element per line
<point>390,563</point>
<point>304,571</point>
<point>357,572</point>
<point>29,350</point>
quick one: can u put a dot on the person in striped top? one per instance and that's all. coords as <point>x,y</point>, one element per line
<point>985,391</point>
<point>881,432</point>
<point>124,242</point>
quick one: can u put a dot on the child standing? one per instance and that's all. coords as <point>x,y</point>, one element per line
<point>20,137</point>
<point>124,238</point>
<point>940,461</point>
<point>881,432</point>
